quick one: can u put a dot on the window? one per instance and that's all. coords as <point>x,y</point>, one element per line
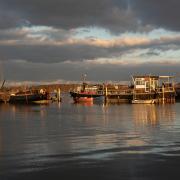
<point>140,82</point>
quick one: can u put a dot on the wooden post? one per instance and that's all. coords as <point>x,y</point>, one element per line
<point>26,96</point>
<point>163,94</point>
<point>106,93</point>
<point>59,95</point>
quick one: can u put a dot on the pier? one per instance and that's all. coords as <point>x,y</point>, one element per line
<point>118,96</point>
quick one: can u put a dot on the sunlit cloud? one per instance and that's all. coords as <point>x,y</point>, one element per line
<point>42,35</point>
<point>87,35</point>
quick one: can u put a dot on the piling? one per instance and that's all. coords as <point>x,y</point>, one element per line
<point>163,94</point>
<point>106,93</point>
<point>59,95</point>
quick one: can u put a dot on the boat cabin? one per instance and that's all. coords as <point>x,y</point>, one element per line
<point>146,83</point>
<point>86,88</point>
<point>153,89</point>
<point>149,83</point>
<point>167,83</point>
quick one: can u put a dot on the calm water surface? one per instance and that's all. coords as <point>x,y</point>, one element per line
<point>89,141</point>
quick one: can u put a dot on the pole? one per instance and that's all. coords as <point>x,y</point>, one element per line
<point>106,93</point>
<point>163,93</point>
<point>59,95</point>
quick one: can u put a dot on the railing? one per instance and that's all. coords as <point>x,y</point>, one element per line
<point>157,90</point>
<point>109,92</point>
<point>166,89</point>
<point>118,92</point>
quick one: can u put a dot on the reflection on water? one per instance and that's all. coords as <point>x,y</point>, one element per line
<point>90,103</point>
<point>22,111</point>
<point>43,135</point>
<point>150,114</point>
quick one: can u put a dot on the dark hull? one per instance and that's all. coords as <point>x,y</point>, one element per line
<point>119,98</point>
<point>26,99</point>
<point>77,95</point>
<point>128,97</point>
<point>85,97</point>
<point>178,95</point>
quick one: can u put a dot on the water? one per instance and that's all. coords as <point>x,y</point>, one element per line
<point>85,141</point>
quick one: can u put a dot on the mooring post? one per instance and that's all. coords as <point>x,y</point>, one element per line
<point>59,95</point>
<point>106,93</point>
<point>163,94</point>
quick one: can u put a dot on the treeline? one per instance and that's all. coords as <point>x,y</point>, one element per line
<point>50,88</point>
<point>63,87</point>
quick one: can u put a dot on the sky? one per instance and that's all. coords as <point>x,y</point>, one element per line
<point>109,40</point>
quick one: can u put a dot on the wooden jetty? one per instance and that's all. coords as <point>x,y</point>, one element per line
<point>117,95</point>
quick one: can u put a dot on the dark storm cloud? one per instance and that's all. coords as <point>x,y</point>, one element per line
<point>34,52</point>
<point>7,18</point>
<point>115,15</point>
<point>79,50</point>
<point>52,54</point>
<point>160,13</point>
<point>111,14</point>
<point>66,71</point>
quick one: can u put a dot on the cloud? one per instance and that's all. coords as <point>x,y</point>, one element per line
<point>114,15</point>
<point>158,13</point>
<point>67,14</point>
<point>33,35</point>
<point>37,37</point>
<point>27,71</point>
<point>51,45</point>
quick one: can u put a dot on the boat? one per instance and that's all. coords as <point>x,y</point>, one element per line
<point>83,99</point>
<point>42,101</point>
<point>86,93</point>
<point>150,89</point>
<point>138,101</point>
<point>28,97</point>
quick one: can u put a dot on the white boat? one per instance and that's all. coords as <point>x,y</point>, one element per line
<point>147,101</point>
<point>45,101</point>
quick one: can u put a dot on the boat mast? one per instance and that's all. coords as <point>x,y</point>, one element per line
<point>3,84</point>
<point>84,77</point>
<point>84,81</point>
<point>1,76</point>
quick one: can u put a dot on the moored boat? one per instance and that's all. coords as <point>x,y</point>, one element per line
<point>83,99</point>
<point>148,101</point>
<point>28,97</point>
<point>86,93</point>
<point>150,89</point>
